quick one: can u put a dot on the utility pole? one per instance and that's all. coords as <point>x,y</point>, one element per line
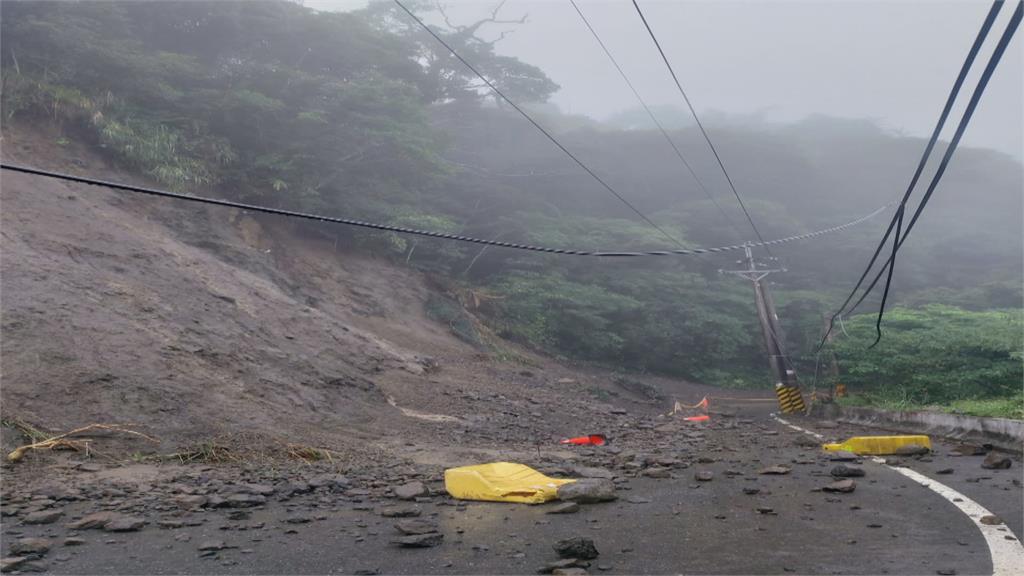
<point>786,388</point>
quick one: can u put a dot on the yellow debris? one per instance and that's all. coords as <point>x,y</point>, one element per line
<point>878,445</point>
<point>502,482</point>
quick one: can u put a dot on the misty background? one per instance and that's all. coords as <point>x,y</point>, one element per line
<point>820,111</point>
<point>890,61</point>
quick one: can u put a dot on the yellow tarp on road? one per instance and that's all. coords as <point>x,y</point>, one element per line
<point>502,482</point>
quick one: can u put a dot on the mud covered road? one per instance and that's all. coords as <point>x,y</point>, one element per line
<point>237,520</point>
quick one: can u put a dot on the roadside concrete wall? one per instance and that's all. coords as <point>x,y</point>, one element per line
<point>1003,433</point>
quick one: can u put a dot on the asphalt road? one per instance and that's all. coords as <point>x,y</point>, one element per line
<point>889,525</point>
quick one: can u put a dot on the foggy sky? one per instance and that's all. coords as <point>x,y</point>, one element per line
<point>890,61</point>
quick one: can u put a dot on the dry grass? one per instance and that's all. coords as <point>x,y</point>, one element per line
<point>65,441</point>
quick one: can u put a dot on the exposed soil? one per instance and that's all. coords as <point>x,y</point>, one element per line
<point>233,339</point>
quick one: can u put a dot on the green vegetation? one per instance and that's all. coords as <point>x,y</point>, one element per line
<point>360,114</point>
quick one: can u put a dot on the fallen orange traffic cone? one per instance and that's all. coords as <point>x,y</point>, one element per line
<point>701,418</point>
<point>591,440</point>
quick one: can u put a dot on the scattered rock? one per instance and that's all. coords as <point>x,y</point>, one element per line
<point>26,546</point>
<point>577,547</point>
<point>657,472</point>
<point>844,471</point>
<point>587,472</point>
<point>946,572</point>
<point>991,520</point>
<point>944,471</point>
<point>414,527</point>
<point>766,510</point>
<point>843,456</point>
<point>419,540</point>
<point>74,541</point>
<point>638,500</point>
<point>401,511</point>
<point>410,491</point>
<point>329,481</point>
<point>751,491</point>
<point>170,523</point>
<point>245,500</point>
<point>564,564</point>
<point>588,491</point>
<point>996,461</point>
<point>572,571</point>
<point>775,470</point>
<point>94,521</point>
<point>299,519</point>
<point>912,450</point>
<point>125,524</point>
<point>564,508</point>
<point>212,545</point>
<point>190,501</point>
<point>43,517</point>
<point>703,475</point>
<point>12,563</point>
<point>970,450</point>
<point>843,486</point>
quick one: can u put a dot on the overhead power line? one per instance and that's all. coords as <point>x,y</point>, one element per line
<point>699,124</point>
<point>529,118</point>
<point>897,220</point>
<point>402,230</point>
<point>654,119</point>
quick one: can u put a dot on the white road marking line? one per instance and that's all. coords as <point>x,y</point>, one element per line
<point>1007,555</point>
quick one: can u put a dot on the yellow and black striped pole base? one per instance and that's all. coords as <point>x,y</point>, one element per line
<point>790,399</point>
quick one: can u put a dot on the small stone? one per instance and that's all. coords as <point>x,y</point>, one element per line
<point>43,517</point>
<point>703,475</point>
<point>125,524</point>
<point>572,571</point>
<point>245,500</point>
<point>298,520</point>
<point>93,521</point>
<point>578,547</point>
<point>751,491</point>
<point>996,461</point>
<point>74,541</point>
<point>89,467</point>
<point>212,545</point>
<point>946,572</point>
<point>564,564</point>
<point>419,540</point>
<point>170,523</point>
<point>588,491</point>
<point>944,471</point>
<point>25,546</point>
<point>912,450</point>
<point>190,501</point>
<point>970,450</point>
<point>844,471</point>
<point>401,512</point>
<point>843,456</point>
<point>638,500</point>
<point>766,510</point>
<point>990,520</point>
<point>12,563</point>
<point>410,491</point>
<point>564,508</point>
<point>414,527</point>
<point>775,470</point>
<point>842,486</point>
<point>657,472</point>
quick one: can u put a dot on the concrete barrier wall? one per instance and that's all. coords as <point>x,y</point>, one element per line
<point>1001,432</point>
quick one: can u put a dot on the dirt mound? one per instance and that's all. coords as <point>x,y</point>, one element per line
<point>191,321</point>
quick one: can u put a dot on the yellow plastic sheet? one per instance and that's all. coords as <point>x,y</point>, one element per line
<point>878,445</point>
<point>501,482</point>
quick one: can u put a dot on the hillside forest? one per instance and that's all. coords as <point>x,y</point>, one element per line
<point>363,115</point>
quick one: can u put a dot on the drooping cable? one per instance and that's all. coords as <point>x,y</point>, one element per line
<point>654,119</point>
<point>699,124</point>
<point>402,230</point>
<point>536,125</point>
<point>950,100</point>
<point>997,54</point>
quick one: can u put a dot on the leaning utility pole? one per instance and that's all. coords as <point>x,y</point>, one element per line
<point>790,399</point>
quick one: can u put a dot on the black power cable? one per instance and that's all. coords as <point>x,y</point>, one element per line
<point>401,230</point>
<point>523,113</point>
<point>950,100</point>
<point>699,124</point>
<point>997,54</point>
<point>647,109</point>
